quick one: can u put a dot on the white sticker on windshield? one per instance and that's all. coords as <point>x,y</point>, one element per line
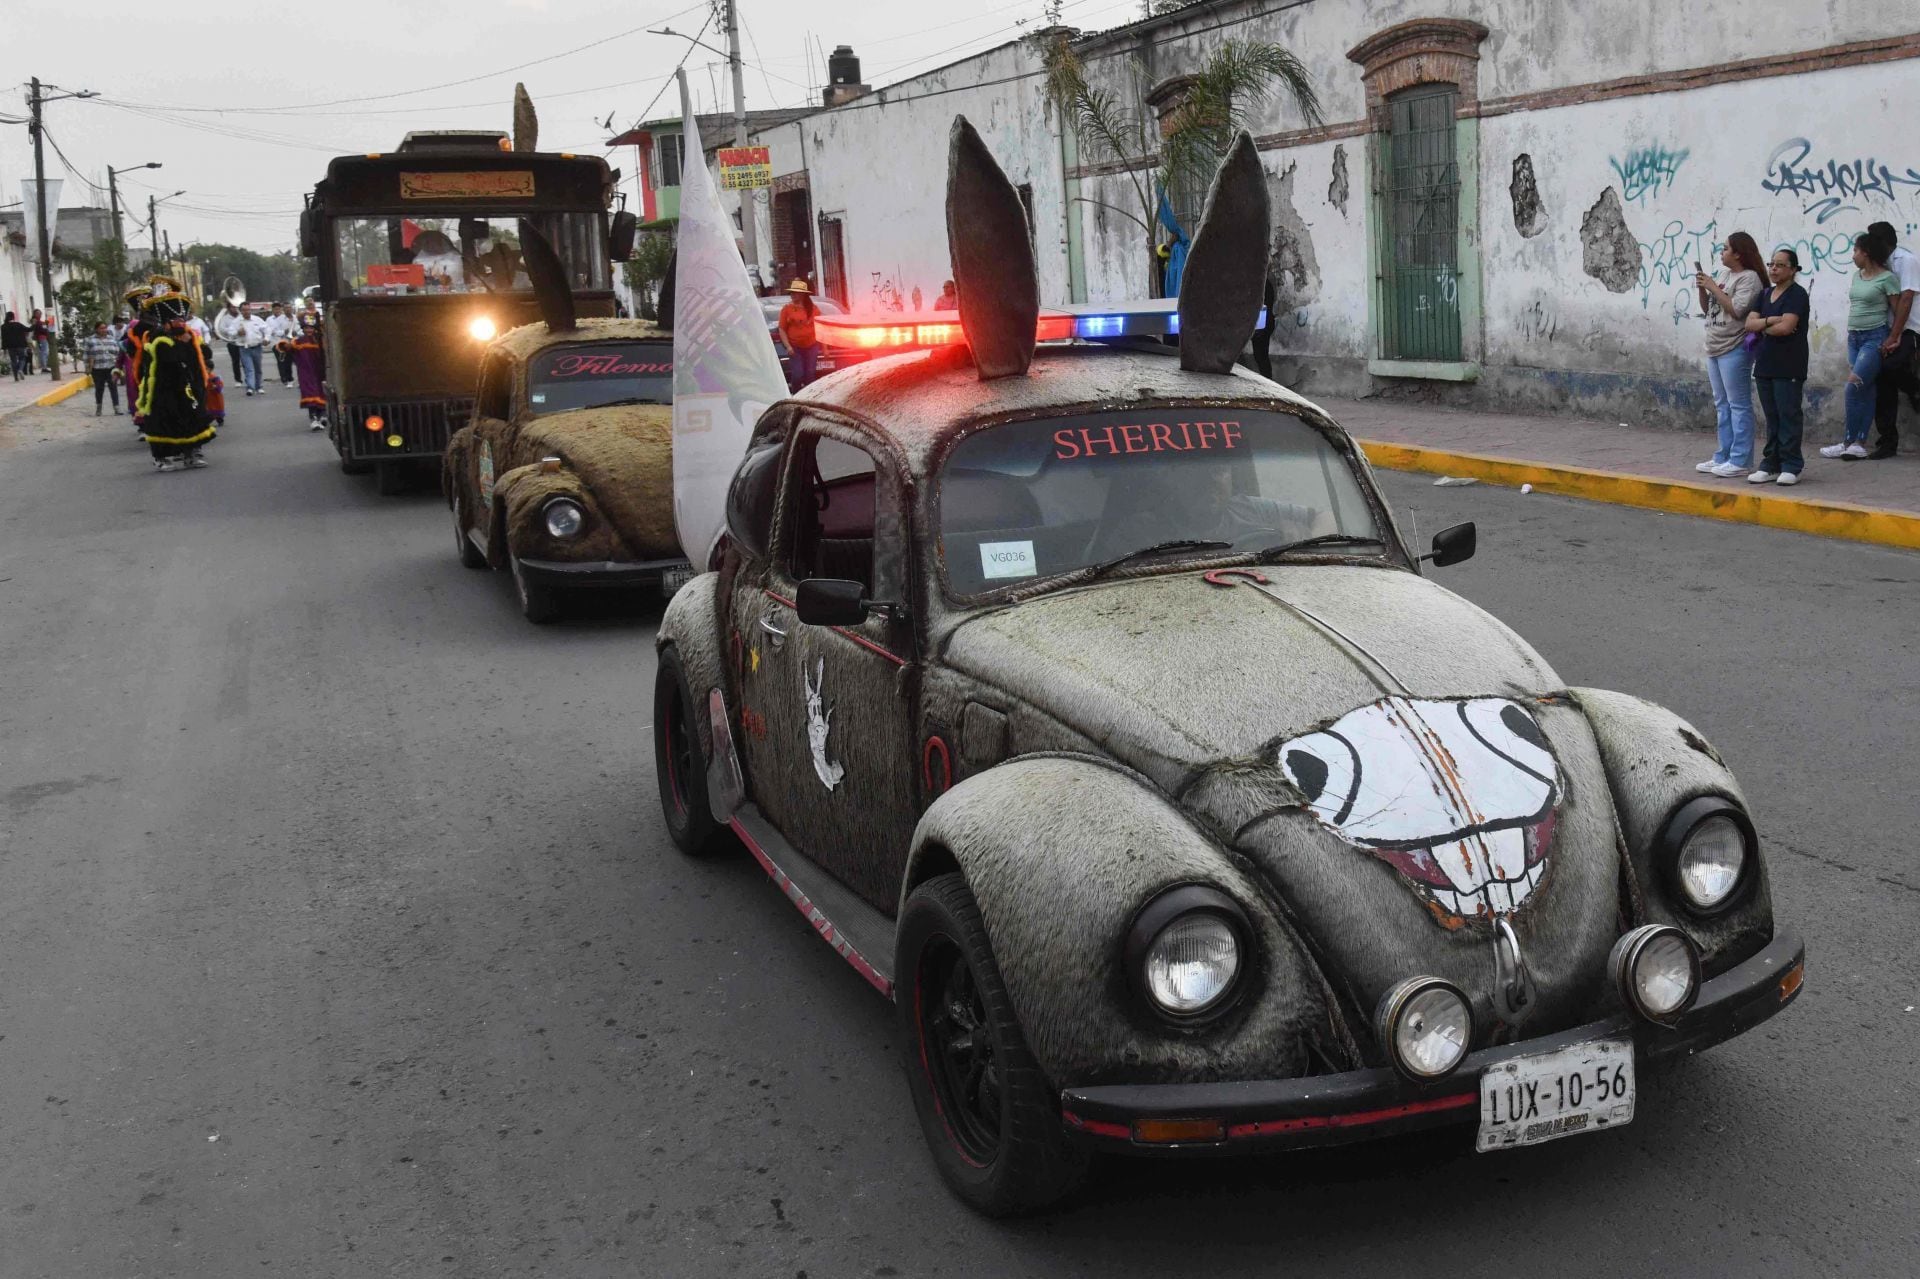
<point>1007,559</point>
<point>538,397</point>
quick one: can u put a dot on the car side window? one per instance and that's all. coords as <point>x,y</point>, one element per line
<point>495,393</point>
<point>832,489</point>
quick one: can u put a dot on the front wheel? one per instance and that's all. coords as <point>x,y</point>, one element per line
<point>677,761</point>
<point>985,1108</point>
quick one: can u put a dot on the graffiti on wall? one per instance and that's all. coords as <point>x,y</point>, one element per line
<point>1836,187</point>
<point>886,295</point>
<point>1647,171</point>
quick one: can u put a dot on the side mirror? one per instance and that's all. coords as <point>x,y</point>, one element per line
<point>829,601</point>
<point>1451,545</point>
<point>620,239</point>
<point>310,232</point>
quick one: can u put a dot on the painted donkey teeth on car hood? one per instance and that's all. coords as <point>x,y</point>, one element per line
<point>1457,795</point>
<point>1171,673</point>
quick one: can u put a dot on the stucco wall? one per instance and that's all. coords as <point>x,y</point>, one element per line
<point>1686,168</point>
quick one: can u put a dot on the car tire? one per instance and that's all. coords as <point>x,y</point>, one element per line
<point>677,765</point>
<point>390,478</point>
<point>470,555</point>
<point>990,1119</point>
<point>539,603</point>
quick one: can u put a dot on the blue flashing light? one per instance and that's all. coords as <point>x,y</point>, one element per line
<point>1154,317</point>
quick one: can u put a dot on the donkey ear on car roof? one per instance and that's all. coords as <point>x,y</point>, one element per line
<point>992,257</point>
<point>1226,268</point>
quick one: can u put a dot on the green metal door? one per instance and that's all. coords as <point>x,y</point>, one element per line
<point>1420,275</point>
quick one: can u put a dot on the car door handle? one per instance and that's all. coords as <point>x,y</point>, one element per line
<point>779,636</point>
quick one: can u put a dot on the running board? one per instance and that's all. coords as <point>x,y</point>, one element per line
<point>860,934</point>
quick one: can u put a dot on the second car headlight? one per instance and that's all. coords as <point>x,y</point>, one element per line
<point>1708,849</point>
<point>564,517</point>
<point>1187,951</point>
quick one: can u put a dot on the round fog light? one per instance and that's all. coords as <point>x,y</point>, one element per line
<point>1426,1025</point>
<point>563,518</point>
<point>1656,968</point>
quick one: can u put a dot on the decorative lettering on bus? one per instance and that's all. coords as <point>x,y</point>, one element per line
<point>1144,437</point>
<point>607,366</point>
<point>482,184</point>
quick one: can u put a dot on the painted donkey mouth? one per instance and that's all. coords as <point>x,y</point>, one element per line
<point>1458,796</point>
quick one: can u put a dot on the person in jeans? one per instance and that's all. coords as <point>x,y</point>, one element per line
<point>40,329</point>
<point>101,354</point>
<point>797,335</point>
<point>253,341</point>
<point>1726,302</point>
<point>1780,316</point>
<point>1870,296</point>
<point>13,340</point>
<point>1900,353</point>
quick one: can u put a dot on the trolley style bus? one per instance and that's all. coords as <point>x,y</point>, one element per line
<point>420,266</point>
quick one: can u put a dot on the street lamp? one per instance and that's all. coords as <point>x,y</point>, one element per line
<point>113,195</point>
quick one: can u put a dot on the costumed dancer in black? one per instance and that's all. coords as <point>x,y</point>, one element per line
<point>172,400</point>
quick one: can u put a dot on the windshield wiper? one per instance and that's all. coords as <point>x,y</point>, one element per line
<point>1324,539</point>
<point>631,399</point>
<point>1178,544</point>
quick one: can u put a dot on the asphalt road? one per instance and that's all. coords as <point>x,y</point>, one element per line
<point>339,934</point>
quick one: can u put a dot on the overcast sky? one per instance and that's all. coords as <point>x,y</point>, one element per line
<point>301,83</point>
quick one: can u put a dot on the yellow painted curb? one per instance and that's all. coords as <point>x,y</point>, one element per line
<point>61,393</point>
<point>1876,525</point>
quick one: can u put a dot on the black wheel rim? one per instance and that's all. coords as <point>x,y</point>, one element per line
<point>679,754</point>
<point>957,1045</point>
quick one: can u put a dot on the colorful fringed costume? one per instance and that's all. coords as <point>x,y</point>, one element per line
<point>310,365</point>
<point>171,397</point>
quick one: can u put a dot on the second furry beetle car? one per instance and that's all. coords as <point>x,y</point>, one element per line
<point>565,475</point>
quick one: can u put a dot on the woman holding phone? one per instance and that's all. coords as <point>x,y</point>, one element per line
<point>1726,301</point>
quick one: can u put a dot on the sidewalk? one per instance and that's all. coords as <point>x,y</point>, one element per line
<point>38,386</point>
<point>1639,466</point>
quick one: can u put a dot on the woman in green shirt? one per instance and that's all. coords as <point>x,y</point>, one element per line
<point>1870,298</point>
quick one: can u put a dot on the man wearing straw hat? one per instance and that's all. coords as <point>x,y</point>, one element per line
<point>797,335</point>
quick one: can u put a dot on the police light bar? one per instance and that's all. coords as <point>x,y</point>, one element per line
<point>887,331</point>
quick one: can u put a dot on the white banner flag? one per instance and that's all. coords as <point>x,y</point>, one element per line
<point>725,371</point>
<point>30,197</point>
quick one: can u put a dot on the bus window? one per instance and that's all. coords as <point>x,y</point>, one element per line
<point>461,253</point>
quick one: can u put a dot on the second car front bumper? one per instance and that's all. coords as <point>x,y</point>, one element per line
<point>1324,1110</point>
<point>576,575</point>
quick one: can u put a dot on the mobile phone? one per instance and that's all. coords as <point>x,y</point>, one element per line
<point>1696,267</point>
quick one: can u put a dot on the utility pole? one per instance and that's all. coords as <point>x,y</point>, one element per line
<point>748,223</point>
<point>113,195</point>
<point>35,100</point>
<point>153,234</point>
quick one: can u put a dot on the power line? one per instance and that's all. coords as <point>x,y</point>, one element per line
<point>297,108</point>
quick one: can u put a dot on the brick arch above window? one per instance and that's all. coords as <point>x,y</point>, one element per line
<point>1421,51</point>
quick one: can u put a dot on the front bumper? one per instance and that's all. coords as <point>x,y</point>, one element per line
<point>613,574</point>
<point>1325,1110</point>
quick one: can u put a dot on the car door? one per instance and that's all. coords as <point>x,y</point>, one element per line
<point>824,713</point>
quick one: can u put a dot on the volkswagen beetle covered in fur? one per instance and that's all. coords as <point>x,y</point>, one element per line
<point>1088,701</point>
<point>565,475</point>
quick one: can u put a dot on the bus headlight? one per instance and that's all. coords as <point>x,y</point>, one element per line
<point>481,329</point>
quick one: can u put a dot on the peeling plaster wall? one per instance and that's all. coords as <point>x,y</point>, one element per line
<point>1686,169</point>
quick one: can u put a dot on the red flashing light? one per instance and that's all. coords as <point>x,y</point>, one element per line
<point>860,332</point>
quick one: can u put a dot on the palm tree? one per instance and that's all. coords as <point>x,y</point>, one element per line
<point>1230,86</point>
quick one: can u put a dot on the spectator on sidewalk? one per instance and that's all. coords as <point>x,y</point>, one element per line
<point>13,340</point>
<point>102,353</point>
<point>1729,364</point>
<point>949,299</point>
<point>1900,353</point>
<point>1780,318</point>
<point>1870,300</point>
<point>231,327</point>
<point>40,329</point>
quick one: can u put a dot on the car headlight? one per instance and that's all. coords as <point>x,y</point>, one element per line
<point>1426,1025</point>
<point>1708,848</point>
<point>481,328</point>
<point>564,517</point>
<point>1656,969</point>
<point>1186,951</point>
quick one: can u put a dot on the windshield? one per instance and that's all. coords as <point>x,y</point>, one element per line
<point>461,253</point>
<point>585,377</point>
<point>1032,500</point>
